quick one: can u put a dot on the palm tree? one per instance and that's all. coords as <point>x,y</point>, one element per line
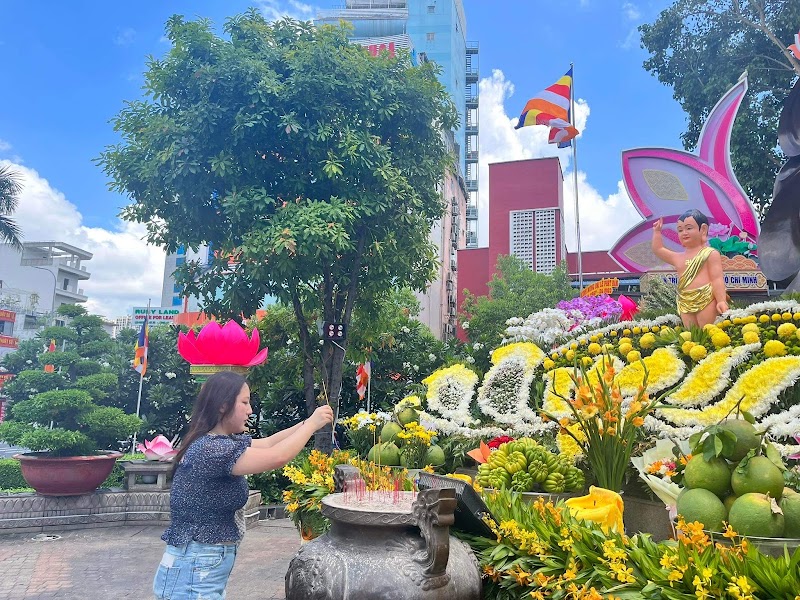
<point>10,187</point>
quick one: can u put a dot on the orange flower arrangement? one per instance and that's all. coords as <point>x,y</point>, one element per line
<point>610,424</point>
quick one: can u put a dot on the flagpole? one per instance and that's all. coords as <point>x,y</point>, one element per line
<point>369,387</point>
<point>575,178</point>
<point>141,379</point>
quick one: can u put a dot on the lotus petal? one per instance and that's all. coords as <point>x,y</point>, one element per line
<point>187,348</point>
<point>255,342</point>
<point>258,358</point>
<point>210,343</point>
<point>235,343</point>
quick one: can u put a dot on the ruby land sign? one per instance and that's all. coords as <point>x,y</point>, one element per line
<point>158,315</point>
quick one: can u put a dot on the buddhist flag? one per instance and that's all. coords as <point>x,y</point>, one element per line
<point>140,351</point>
<point>551,107</point>
<point>363,373</point>
<point>50,348</point>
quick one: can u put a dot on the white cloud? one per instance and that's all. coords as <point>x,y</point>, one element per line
<point>630,11</point>
<point>500,142</point>
<point>125,270</point>
<point>278,9</point>
<point>631,40</point>
<point>4,146</point>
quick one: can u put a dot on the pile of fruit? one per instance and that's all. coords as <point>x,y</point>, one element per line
<point>738,479</point>
<point>391,451</point>
<point>524,465</point>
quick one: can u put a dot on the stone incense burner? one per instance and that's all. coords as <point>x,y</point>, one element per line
<point>394,547</point>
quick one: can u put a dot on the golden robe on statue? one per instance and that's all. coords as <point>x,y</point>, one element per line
<point>694,300</point>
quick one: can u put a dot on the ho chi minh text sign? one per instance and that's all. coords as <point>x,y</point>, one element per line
<point>159,315</point>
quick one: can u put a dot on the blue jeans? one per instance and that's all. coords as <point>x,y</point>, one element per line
<point>194,571</point>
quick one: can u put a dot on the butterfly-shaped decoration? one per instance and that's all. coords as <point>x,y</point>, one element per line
<point>779,244</point>
<point>666,183</point>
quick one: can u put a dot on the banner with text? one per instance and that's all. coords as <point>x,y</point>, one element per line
<point>159,315</point>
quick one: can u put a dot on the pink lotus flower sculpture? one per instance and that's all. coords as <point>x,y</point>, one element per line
<point>226,345</point>
<point>159,448</point>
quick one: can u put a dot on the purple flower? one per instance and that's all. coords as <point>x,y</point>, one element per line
<point>719,230</point>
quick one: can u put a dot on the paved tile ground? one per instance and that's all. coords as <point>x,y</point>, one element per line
<point>119,562</point>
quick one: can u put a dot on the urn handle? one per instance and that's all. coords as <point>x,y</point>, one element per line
<point>342,474</point>
<point>434,514</point>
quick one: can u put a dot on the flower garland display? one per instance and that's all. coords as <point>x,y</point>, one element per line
<point>711,376</point>
<point>505,393</point>
<point>450,393</point>
<point>662,369</point>
<point>755,391</point>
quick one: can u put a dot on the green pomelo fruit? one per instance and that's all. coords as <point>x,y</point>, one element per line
<point>390,431</point>
<point>728,502</point>
<point>790,505</point>
<point>752,514</point>
<point>746,438</point>
<point>434,456</point>
<point>713,475</point>
<point>389,454</point>
<point>702,505</point>
<point>407,415</point>
<point>760,476</point>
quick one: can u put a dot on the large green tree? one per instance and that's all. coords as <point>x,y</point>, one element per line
<point>310,165</point>
<point>701,47</point>
<point>514,291</point>
<point>10,188</point>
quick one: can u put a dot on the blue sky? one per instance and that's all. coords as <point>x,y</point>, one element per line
<point>69,66</point>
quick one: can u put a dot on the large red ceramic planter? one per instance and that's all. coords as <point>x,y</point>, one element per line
<point>65,475</point>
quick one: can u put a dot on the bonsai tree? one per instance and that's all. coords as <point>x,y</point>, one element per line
<point>67,423</point>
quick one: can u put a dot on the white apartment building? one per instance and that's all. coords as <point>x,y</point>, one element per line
<point>34,283</point>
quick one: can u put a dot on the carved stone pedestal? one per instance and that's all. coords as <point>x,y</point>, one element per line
<point>147,475</point>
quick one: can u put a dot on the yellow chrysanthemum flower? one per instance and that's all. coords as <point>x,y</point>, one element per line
<point>570,354</point>
<point>637,330</point>
<point>774,348</point>
<point>687,346</point>
<point>750,327</point>
<point>776,317</point>
<point>750,337</point>
<point>624,349</point>
<point>763,319</point>
<point>625,340</point>
<point>633,356</point>
<point>721,339</point>
<point>548,364</point>
<point>595,348</point>
<point>698,353</point>
<point>648,340</point>
<point>786,330</point>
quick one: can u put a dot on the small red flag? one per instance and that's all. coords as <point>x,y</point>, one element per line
<point>51,348</point>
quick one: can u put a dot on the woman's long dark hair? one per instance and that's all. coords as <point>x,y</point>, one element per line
<point>214,402</point>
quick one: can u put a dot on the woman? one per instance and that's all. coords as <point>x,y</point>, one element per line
<point>209,486</point>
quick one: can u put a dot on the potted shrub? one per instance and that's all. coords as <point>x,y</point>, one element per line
<point>74,440</point>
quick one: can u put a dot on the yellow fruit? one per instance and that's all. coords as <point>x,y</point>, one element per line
<point>754,514</point>
<point>758,476</point>
<point>713,475</point>
<point>746,438</point>
<point>790,505</point>
<point>698,353</point>
<point>703,506</point>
